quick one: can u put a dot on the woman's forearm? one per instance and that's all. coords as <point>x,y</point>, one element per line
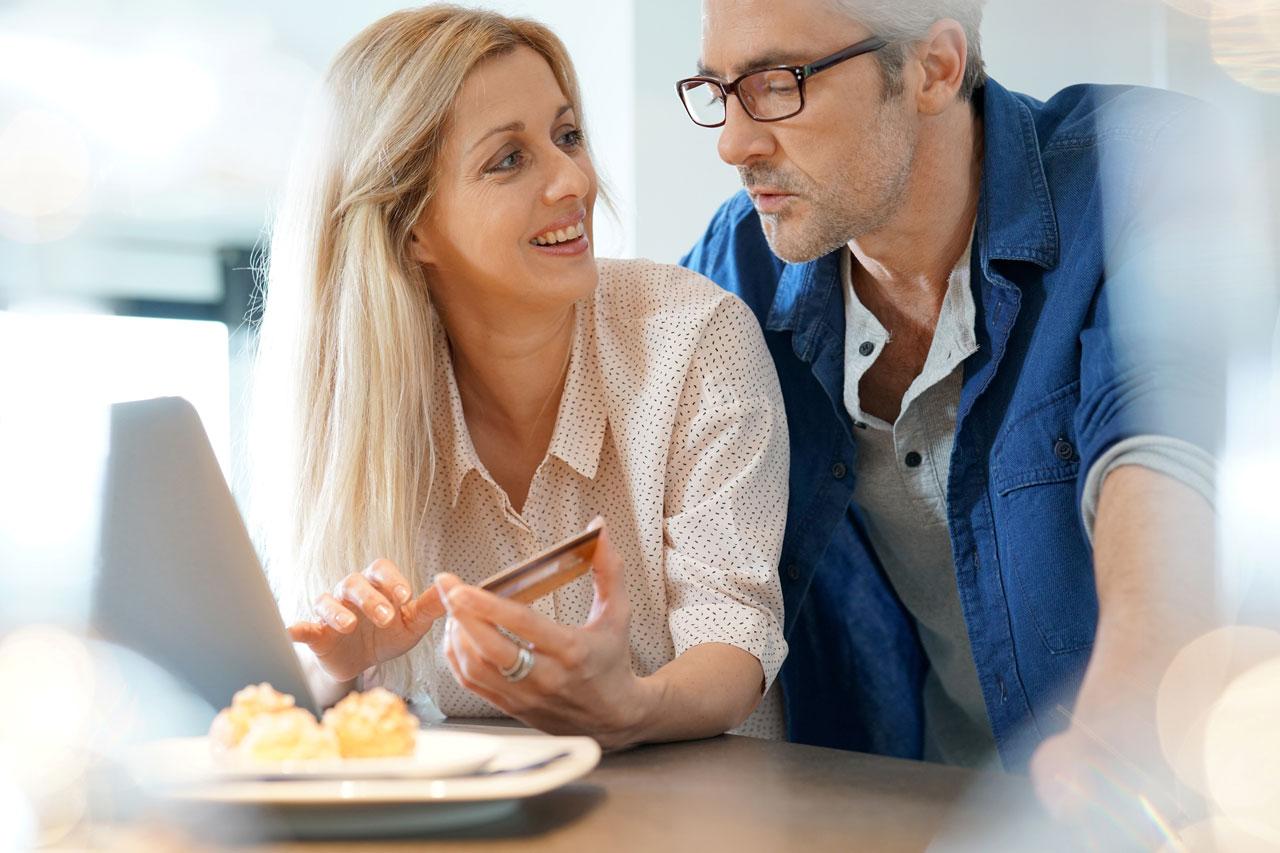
<point>704,692</point>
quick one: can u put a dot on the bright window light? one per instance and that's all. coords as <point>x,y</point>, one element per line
<point>58,372</point>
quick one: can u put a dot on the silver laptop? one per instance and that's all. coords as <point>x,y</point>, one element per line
<point>177,577</point>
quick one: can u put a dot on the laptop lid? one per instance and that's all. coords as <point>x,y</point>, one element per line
<point>177,577</point>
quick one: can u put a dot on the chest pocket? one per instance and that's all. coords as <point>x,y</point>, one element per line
<point>1034,470</point>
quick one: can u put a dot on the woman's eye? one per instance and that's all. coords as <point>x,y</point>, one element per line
<point>573,138</point>
<point>509,163</point>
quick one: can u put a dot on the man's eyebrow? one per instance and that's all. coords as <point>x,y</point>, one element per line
<point>514,127</point>
<point>757,63</point>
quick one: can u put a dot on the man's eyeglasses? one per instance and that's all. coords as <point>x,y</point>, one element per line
<point>770,94</point>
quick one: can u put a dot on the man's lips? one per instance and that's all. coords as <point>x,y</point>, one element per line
<point>770,200</point>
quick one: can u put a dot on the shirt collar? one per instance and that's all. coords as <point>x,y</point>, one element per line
<point>954,338</point>
<point>580,424</point>
<point>1016,217</point>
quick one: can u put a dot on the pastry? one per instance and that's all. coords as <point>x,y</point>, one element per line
<point>373,724</point>
<point>290,735</point>
<point>232,724</point>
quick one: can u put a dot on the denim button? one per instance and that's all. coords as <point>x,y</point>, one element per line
<point>867,348</point>
<point>793,572</point>
<point>914,460</point>
<point>838,470</point>
<point>1064,450</point>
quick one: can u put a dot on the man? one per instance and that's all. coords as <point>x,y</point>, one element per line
<point>1000,528</point>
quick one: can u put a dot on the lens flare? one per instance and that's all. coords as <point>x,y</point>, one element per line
<point>46,717</point>
<point>1245,38</point>
<point>1216,836</point>
<point>1198,677</point>
<point>1242,752</point>
<point>44,176</point>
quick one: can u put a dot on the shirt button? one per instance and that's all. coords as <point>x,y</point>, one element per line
<point>838,470</point>
<point>1064,450</point>
<point>914,460</point>
<point>867,348</point>
<point>859,425</point>
<point>793,572</point>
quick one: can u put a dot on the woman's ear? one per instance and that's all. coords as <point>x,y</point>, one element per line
<point>419,246</point>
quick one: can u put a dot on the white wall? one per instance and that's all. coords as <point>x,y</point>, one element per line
<point>1041,46</point>
<point>663,171</point>
<point>680,178</point>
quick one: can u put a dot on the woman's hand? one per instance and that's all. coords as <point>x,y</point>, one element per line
<point>370,617</point>
<point>581,680</point>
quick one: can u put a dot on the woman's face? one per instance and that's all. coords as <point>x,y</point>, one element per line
<point>515,188</point>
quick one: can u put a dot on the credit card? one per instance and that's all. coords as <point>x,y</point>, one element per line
<point>529,580</point>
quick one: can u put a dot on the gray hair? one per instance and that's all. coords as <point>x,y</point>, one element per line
<point>902,22</point>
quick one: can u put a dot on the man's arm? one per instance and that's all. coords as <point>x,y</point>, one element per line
<point>1154,566</point>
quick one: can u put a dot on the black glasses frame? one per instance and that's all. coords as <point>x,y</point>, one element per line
<point>800,72</point>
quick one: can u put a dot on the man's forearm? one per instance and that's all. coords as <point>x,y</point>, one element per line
<point>1154,563</point>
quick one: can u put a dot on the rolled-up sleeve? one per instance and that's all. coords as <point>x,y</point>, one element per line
<point>726,495</point>
<point>1184,292</point>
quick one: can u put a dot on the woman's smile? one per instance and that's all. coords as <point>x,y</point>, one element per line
<point>566,236</point>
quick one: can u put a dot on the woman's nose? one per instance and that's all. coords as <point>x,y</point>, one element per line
<point>571,177</point>
<point>742,139</point>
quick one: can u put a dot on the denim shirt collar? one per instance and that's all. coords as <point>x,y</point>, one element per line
<point>1016,222</point>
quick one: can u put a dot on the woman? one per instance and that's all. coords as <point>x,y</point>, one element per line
<point>452,381</point>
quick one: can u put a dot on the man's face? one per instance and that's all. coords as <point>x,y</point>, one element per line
<point>837,171</point>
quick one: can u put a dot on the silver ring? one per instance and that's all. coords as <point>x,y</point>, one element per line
<point>519,670</point>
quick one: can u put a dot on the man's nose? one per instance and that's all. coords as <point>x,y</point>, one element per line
<point>742,139</point>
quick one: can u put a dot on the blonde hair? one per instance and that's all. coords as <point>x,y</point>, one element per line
<point>343,455</point>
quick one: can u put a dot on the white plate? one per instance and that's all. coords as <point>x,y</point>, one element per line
<point>525,766</point>
<point>438,754</point>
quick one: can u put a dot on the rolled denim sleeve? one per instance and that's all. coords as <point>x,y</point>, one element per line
<point>1180,293</point>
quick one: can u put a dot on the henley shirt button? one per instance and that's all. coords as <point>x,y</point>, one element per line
<point>867,348</point>
<point>793,572</point>
<point>859,425</point>
<point>914,460</point>
<point>1064,450</point>
<point>838,470</point>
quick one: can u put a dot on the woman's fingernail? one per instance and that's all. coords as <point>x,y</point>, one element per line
<point>346,620</point>
<point>402,594</point>
<point>384,613</point>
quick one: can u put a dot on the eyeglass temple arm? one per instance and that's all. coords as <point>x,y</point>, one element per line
<point>871,44</point>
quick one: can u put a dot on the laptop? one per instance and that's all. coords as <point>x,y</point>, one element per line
<point>177,578</point>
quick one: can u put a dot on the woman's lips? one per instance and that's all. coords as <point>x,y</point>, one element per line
<point>567,248</point>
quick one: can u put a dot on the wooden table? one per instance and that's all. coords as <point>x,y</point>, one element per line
<point>741,794</point>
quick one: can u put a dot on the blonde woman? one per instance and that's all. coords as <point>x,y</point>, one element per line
<point>451,381</point>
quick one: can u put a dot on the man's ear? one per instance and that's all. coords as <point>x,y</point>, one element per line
<point>942,55</point>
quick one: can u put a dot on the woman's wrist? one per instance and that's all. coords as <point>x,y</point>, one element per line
<point>326,689</point>
<point>642,714</point>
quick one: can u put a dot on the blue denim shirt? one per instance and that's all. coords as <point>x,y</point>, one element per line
<point>1055,382</point>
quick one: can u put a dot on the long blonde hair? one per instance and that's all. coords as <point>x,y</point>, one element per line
<point>342,450</point>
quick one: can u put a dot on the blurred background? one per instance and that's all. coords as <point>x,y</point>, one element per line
<point>142,143</point>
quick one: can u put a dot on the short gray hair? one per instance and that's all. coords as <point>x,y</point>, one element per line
<point>902,22</point>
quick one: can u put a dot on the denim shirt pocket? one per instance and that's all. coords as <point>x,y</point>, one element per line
<point>1034,470</point>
